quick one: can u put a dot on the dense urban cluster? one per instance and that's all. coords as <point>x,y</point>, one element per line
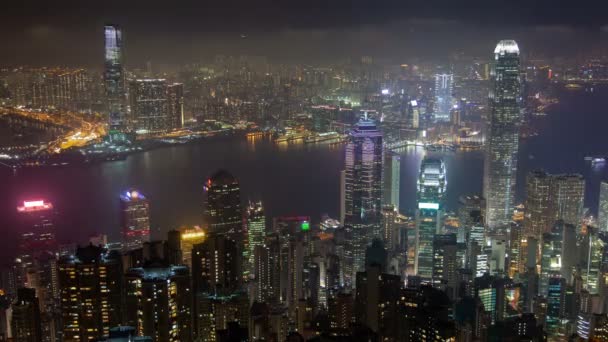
<point>489,270</point>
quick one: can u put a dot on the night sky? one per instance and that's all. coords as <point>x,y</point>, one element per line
<point>69,32</point>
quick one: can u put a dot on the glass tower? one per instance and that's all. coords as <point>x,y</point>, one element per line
<point>502,136</point>
<point>431,193</point>
<point>363,187</point>
<point>114,77</point>
<point>443,96</point>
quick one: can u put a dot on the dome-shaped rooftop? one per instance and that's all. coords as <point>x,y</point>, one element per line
<point>506,46</point>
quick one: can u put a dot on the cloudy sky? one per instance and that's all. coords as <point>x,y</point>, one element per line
<point>69,32</point>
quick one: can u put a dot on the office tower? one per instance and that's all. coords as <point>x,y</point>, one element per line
<point>502,142</point>
<point>497,256</point>
<point>216,266</point>
<point>594,245</point>
<point>188,238</point>
<point>553,253</point>
<point>37,237</point>
<point>376,300</point>
<point>114,77</point>
<point>556,300</point>
<point>568,192</point>
<point>149,105</point>
<point>363,187</point>
<point>256,228</point>
<point>424,315</point>
<point>392,175</point>
<point>91,292</point>
<point>175,103</point>
<point>135,219</point>
<point>413,115</point>
<point>223,213</point>
<point>491,291</point>
<point>265,270</point>
<point>159,301</point>
<point>539,215</point>
<point>602,217</point>
<point>432,185</point>
<point>445,263</point>
<point>26,322</point>
<point>390,228</point>
<point>216,313</point>
<point>443,96</point>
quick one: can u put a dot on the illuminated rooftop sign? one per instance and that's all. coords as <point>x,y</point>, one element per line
<point>305,226</point>
<point>428,206</point>
<point>34,205</point>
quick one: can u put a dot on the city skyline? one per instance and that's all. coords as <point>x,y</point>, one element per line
<point>346,194</point>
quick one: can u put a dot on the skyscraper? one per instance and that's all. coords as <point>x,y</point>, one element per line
<point>135,213</point>
<point>216,266</point>
<point>256,228</point>
<point>91,293</point>
<point>568,197</point>
<point>602,217</point>
<point>363,187</point>
<point>25,321</point>
<point>159,302</point>
<point>539,216</point>
<point>443,96</point>
<point>502,136</point>
<point>223,213</point>
<point>149,105</point>
<point>114,77</point>
<point>175,103</point>
<point>392,176</point>
<point>432,185</point>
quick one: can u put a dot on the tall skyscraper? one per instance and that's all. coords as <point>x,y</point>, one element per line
<point>502,136</point>
<point>443,96</point>
<point>37,238</point>
<point>539,215</point>
<point>363,187</point>
<point>188,238</point>
<point>159,301</point>
<point>135,214</point>
<point>602,216</point>
<point>91,293</point>
<point>392,177</point>
<point>175,102</point>
<point>568,197</point>
<point>216,266</point>
<point>223,213</point>
<point>256,228</point>
<point>432,186</point>
<point>114,77</point>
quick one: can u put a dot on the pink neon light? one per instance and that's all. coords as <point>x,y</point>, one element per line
<point>30,204</point>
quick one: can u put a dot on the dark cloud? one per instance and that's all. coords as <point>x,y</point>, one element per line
<point>69,31</point>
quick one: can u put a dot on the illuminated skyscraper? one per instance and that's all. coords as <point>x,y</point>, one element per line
<point>363,187</point>
<point>188,238</point>
<point>568,192</point>
<point>392,175</point>
<point>135,211</point>
<point>432,185</point>
<point>159,302</point>
<point>539,215</point>
<point>91,293</point>
<point>223,213</point>
<point>256,228</point>
<point>502,142</point>
<point>149,105</point>
<point>602,216</point>
<point>443,96</point>
<point>114,77</point>
<point>37,238</point>
<point>175,102</point>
